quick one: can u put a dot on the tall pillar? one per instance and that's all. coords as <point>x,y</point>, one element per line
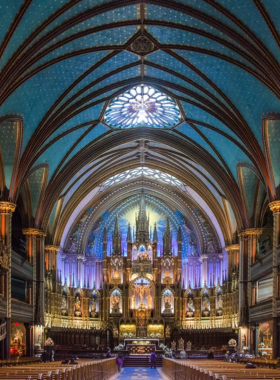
<point>275,208</point>
<point>6,210</point>
<point>40,280</point>
<point>248,254</point>
<point>232,252</point>
<point>30,236</point>
<point>243,278</point>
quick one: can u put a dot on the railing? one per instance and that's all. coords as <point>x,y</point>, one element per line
<point>3,331</point>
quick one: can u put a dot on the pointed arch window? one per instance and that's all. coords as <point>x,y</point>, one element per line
<point>142,106</point>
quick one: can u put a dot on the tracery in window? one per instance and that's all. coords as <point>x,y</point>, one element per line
<point>146,172</point>
<point>142,106</point>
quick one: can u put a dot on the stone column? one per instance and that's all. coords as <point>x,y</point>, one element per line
<point>29,340</point>
<point>243,278</point>
<point>232,252</point>
<point>6,210</point>
<point>40,288</point>
<point>275,208</point>
<point>51,263</point>
<point>30,236</point>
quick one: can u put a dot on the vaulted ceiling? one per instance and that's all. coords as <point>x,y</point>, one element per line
<point>63,61</point>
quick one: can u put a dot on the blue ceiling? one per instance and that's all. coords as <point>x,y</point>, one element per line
<point>61,62</point>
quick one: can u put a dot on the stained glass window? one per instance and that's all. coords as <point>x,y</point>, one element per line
<point>146,172</point>
<point>142,106</point>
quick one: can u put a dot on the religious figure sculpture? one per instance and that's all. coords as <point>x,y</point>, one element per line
<point>115,301</point>
<point>206,305</point>
<point>211,246</point>
<point>167,304</point>
<point>219,304</point>
<point>63,304</point>
<point>78,312</point>
<point>190,307</point>
<point>189,346</point>
<point>192,243</point>
<point>133,302</point>
<point>150,301</point>
<point>92,307</point>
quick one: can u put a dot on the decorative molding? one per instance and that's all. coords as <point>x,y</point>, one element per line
<point>7,207</point>
<point>274,206</point>
<point>250,232</point>
<point>52,248</point>
<point>33,232</point>
<point>142,45</point>
<point>233,247</point>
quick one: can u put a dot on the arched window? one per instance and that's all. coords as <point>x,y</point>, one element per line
<point>142,106</point>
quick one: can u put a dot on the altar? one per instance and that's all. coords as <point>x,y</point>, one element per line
<point>141,346</point>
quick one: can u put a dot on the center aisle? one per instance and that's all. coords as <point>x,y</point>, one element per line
<point>139,373</point>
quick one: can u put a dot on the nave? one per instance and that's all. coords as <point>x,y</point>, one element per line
<point>140,373</point>
<point>139,178</point>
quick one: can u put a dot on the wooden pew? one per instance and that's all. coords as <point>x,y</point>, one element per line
<point>212,369</point>
<point>84,370</point>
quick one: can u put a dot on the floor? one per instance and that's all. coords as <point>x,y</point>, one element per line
<point>129,373</point>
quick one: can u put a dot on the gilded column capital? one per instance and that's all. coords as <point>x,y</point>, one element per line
<point>274,206</point>
<point>7,207</point>
<point>33,232</point>
<point>254,231</point>
<point>232,247</point>
<point>250,232</point>
<point>52,248</point>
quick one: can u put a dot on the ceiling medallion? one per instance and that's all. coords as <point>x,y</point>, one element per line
<point>142,45</point>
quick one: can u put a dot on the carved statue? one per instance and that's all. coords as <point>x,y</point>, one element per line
<point>189,346</point>
<point>92,306</point>
<point>211,246</point>
<point>150,301</point>
<point>219,301</point>
<point>190,307</point>
<point>133,302</point>
<point>77,303</point>
<point>63,302</point>
<point>205,302</point>
<point>192,243</point>
<point>115,300</point>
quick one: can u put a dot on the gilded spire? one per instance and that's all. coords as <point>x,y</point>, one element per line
<point>117,241</point>
<point>128,236</point>
<point>155,234</point>
<point>179,235</point>
<point>167,240</point>
<point>142,210</point>
<point>105,234</point>
<point>117,227</point>
<point>142,223</point>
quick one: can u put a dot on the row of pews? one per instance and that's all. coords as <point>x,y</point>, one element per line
<point>83,370</point>
<point>19,361</point>
<point>213,369</point>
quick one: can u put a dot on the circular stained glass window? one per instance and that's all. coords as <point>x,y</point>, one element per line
<point>142,106</point>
